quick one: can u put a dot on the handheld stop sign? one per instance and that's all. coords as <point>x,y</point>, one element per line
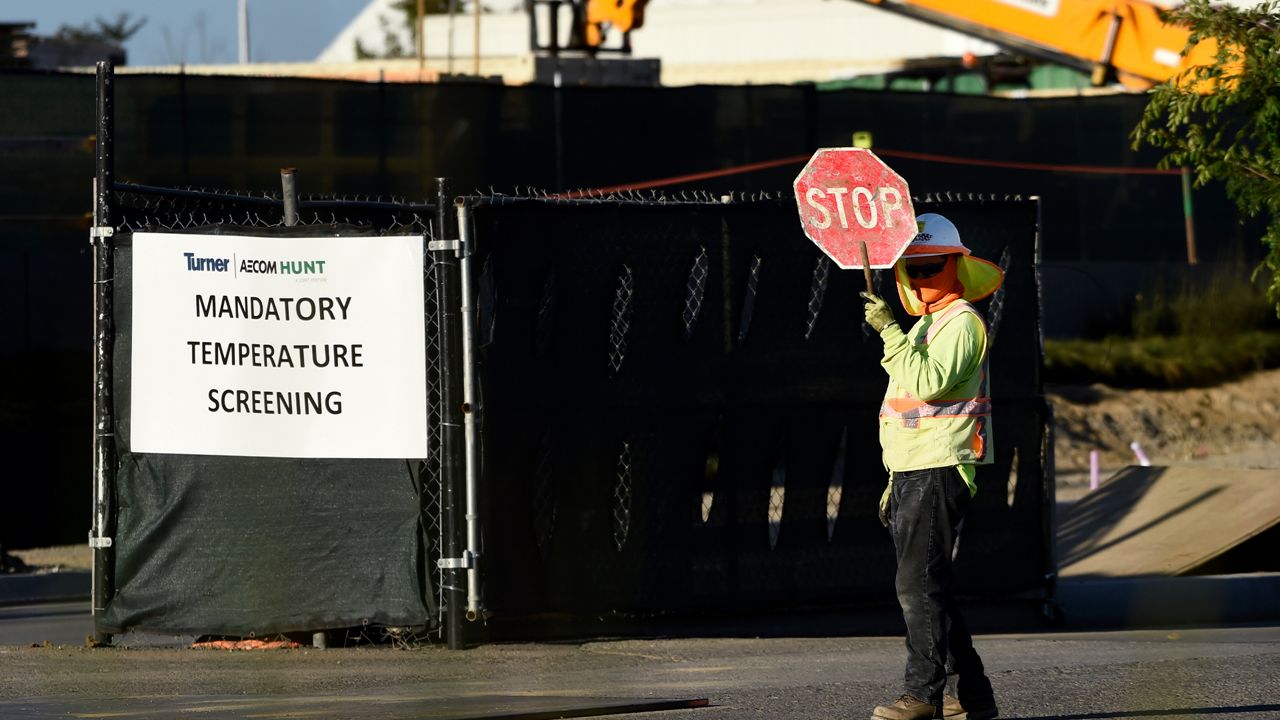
<point>855,208</point>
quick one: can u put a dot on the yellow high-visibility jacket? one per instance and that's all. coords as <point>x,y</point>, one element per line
<point>937,408</point>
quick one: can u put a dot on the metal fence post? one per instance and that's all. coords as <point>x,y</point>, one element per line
<point>289,199</point>
<point>726,279</point>
<point>104,449</point>
<point>452,460</point>
<point>289,193</point>
<point>183,114</point>
<point>470,406</point>
<point>382,133</point>
<point>1049,481</point>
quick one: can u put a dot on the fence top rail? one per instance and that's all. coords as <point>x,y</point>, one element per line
<point>646,198</point>
<point>616,197</point>
<point>306,203</point>
<point>634,198</point>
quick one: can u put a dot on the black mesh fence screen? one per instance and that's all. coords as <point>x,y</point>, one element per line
<point>392,138</point>
<point>679,410</point>
<point>45,331</point>
<point>239,546</point>
<point>1113,234</point>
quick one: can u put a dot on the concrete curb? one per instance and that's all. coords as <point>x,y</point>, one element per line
<point>1112,603</point>
<point>31,588</point>
<point>1123,603</point>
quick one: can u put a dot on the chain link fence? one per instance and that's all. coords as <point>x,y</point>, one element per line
<point>680,406</point>
<point>140,208</point>
<point>677,402</point>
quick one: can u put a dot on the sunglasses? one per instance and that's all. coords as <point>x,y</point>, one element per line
<point>919,272</point>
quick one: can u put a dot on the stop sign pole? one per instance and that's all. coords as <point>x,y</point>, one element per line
<point>855,208</point>
<point>866,266</point>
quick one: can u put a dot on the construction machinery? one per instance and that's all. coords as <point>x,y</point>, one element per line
<point>585,54</point>
<point>1123,41</point>
<point>592,21</point>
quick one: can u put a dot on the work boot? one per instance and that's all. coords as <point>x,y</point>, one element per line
<point>952,709</point>
<point>906,708</point>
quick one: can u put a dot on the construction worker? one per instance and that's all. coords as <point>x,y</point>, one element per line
<point>935,428</point>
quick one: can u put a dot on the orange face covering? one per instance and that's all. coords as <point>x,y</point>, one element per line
<point>940,290</point>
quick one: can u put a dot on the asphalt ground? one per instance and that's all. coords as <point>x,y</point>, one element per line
<point>1226,673</point>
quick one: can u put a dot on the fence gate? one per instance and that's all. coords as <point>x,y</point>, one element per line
<point>205,543</point>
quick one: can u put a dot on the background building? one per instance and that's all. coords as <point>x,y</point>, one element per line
<point>697,42</point>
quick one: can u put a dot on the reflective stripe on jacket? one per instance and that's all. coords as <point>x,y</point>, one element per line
<point>937,408</point>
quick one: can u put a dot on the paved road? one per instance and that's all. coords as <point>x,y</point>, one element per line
<point>1226,673</point>
<point>57,623</point>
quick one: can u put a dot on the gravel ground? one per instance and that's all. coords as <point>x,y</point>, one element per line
<point>1236,424</point>
<point>64,557</point>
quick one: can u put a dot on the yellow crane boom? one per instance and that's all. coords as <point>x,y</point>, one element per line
<point>1124,39</point>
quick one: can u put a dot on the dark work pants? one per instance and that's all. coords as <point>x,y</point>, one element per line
<point>928,506</point>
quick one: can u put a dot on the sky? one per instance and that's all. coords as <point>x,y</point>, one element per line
<point>201,31</point>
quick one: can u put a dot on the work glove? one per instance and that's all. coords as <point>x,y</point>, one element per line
<point>884,503</point>
<point>878,314</point>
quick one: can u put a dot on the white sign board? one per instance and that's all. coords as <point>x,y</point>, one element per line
<point>307,347</point>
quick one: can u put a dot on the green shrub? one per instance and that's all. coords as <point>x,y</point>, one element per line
<point>1225,306</point>
<point>1201,335</point>
<point>1161,362</point>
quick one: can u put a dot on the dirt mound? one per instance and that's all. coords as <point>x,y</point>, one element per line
<point>1236,424</point>
<point>65,557</point>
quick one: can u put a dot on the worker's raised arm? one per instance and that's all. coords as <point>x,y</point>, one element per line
<point>928,371</point>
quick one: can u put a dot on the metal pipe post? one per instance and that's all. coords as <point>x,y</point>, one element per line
<point>104,449</point>
<point>453,9</point>
<point>383,185</point>
<point>421,26</point>
<point>453,562</point>
<point>183,123</point>
<point>289,195</point>
<point>442,214</point>
<point>469,410</point>
<point>477,39</point>
<point>1049,504</point>
<point>243,17</point>
<point>289,190</point>
<point>1188,217</point>
<point>557,100</point>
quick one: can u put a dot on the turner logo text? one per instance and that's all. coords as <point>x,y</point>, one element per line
<point>199,264</point>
